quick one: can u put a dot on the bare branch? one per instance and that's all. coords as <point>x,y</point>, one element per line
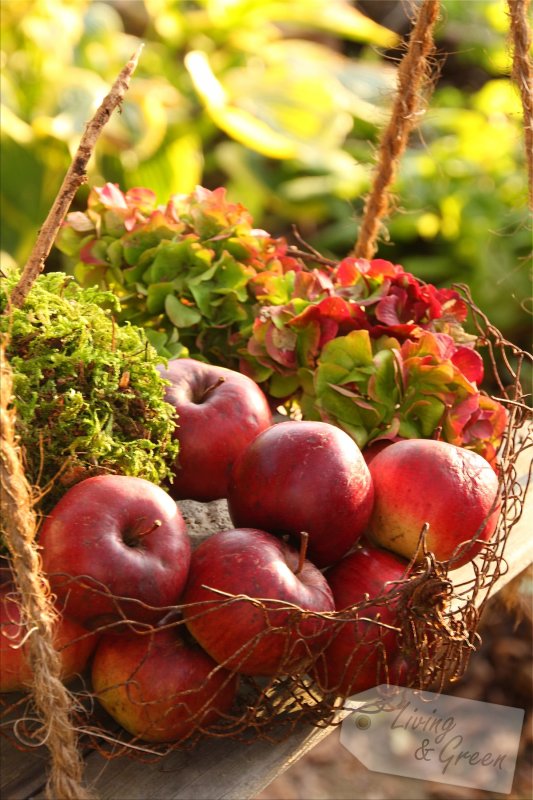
<point>74,178</point>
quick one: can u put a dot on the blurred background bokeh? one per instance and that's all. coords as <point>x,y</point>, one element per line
<point>282,102</point>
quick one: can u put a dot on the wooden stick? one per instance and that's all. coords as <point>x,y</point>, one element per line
<point>406,112</point>
<point>523,76</point>
<point>72,181</point>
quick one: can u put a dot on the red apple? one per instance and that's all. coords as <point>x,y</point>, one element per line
<point>73,642</point>
<point>420,481</point>
<point>112,537</point>
<point>255,639</point>
<point>304,476</point>
<point>360,652</point>
<point>220,412</point>
<point>159,686</point>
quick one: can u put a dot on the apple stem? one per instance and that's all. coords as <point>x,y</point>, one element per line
<point>212,388</point>
<point>133,539</point>
<point>304,540</point>
<point>156,524</point>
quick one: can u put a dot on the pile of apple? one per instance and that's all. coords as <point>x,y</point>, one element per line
<point>318,531</point>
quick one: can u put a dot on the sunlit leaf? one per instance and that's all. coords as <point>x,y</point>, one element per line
<point>425,414</point>
<point>15,127</point>
<point>157,294</point>
<point>335,16</point>
<point>278,110</point>
<point>355,348</point>
<point>245,128</point>
<point>179,314</point>
<point>283,386</point>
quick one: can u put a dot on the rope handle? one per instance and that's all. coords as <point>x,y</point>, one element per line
<point>407,110</point>
<point>53,702</point>
<point>522,74</point>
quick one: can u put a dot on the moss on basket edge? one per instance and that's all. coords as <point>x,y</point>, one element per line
<point>87,393</point>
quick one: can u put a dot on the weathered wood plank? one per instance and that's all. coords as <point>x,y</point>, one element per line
<point>218,769</point>
<point>22,773</point>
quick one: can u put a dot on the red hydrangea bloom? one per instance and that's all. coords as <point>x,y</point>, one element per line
<point>478,422</point>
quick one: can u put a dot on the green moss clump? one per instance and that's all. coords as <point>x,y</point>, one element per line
<point>87,393</point>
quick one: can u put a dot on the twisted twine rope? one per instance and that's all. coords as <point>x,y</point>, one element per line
<point>406,112</point>
<point>523,76</point>
<point>52,700</point>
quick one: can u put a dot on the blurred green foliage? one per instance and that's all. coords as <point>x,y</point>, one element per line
<point>281,101</point>
<point>481,29</point>
<point>224,91</point>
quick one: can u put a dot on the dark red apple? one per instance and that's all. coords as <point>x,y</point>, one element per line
<point>112,537</point>
<point>220,412</point>
<point>252,638</point>
<point>360,650</point>
<point>420,481</point>
<point>304,476</point>
<point>74,643</point>
<point>159,686</point>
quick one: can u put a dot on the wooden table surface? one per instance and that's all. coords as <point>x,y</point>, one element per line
<point>217,768</point>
